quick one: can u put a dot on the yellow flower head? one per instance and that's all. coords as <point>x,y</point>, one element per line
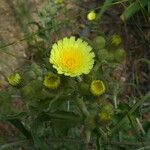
<point>72,57</point>
<point>97,87</point>
<point>91,15</point>
<point>14,79</point>
<point>51,81</point>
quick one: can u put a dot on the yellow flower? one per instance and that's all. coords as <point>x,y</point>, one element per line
<point>72,57</point>
<point>97,87</point>
<point>51,81</point>
<point>91,15</point>
<point>14,79</point>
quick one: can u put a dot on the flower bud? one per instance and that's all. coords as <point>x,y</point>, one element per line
<point>108,107</point>
<point>32,74</point>
<point>36,69</point>
<point>91,15</point>
<point>115,40</point>
<point>102,54</point>
<point>104,117</point>
<point>119,54</point>
<point>15,79</point>
<point>99,42</point>
<point>51,81</point>
<point>97,87</point>
<point>110,57</point>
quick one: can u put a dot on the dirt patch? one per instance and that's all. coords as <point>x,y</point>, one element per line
<point>12,29</point>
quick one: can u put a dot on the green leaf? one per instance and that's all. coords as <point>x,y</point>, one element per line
<point>17,123</point>
<point>56,117</point>
<point>12,144</point>
<point>106,5</point>
<point>131,111</point>
<point>133,8</point>
<point>146,61</point>
<point>148,7</point>
<point>14,120</point>
<point>14,116</point>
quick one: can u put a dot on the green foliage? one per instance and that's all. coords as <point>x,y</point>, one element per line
<point>104,8</point>
<point>130,10</point>
<point>133,8</point>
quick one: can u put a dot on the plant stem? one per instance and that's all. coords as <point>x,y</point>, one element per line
<point>82,106</point>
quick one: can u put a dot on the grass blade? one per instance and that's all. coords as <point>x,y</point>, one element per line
<point>107,4</point>
<point>132,9</point>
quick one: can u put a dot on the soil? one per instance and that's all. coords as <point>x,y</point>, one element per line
<point>11,33</point>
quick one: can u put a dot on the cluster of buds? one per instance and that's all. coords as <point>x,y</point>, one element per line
<point>51,81</point>
<point>109,50</point>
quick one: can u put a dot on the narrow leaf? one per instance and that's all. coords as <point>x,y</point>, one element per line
<point>132,9</point>
<point>106,5</point>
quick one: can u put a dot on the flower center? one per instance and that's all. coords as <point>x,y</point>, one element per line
<point>52,80</point>
<point>70,62</point>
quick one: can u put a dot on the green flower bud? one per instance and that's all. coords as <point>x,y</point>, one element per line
<point>15,79</point>
<point>103,54</point>
<point>27,91</point>
<point>119,54</point>
<point>51,81</point>
<point>32,74</point>
<point>104,117</point>
<point>37,69</point>
<point>108,107</point>
<point>99,42</point>
<point>97,87</point>
<point>110,57</point>
<point>115,40</point>
<point>32,90</point>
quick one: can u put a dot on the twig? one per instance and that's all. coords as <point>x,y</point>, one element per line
<point>140,126</point>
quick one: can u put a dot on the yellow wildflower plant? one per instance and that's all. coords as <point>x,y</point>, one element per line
<point>51,81</point>
<point>72,57</point>
<point>15,79</point>
<point>91,15</point>
<point>97,87</point>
